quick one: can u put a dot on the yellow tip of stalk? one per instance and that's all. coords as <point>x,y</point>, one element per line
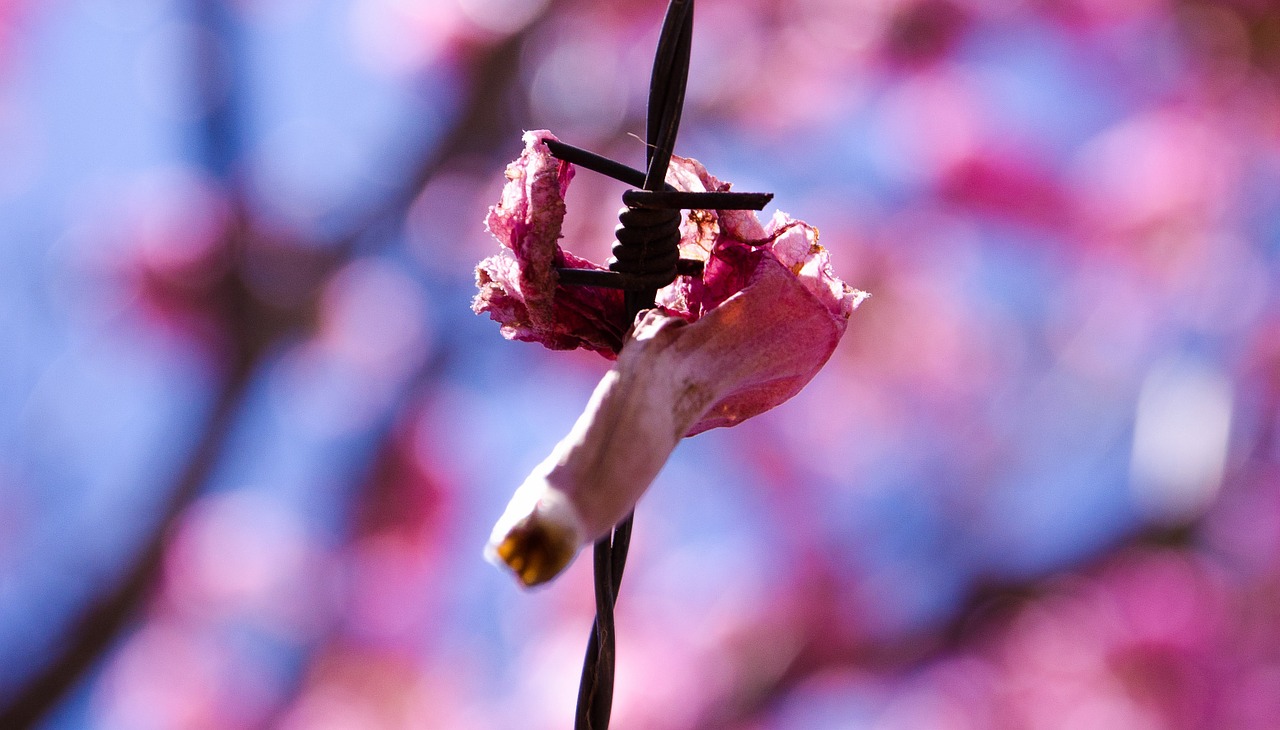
<point>536,550</point>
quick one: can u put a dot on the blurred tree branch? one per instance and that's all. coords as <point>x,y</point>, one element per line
<point>823,646</point>
<point>252,326</point>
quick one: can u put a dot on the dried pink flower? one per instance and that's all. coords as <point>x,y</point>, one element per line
<point>519,286</point>
<point>746,336</point>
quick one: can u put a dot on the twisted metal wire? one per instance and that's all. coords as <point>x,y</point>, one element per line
<point>648,248</point>
<point>646,257</point>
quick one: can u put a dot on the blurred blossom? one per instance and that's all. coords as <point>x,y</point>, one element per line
<point>349,689</point>
<point>1180,439</point>
<point>1013,185</point>
<point>1245,525</point>
<point>304,183</point>
<point>22,144</point>
<point>501,16</point>
<point>728,51</point>
<point>827,699</point>
<point>576,85</point>
<point>170,88</point>
<point>1220,39</point>
<point>1159,178</point>
<point>390,590</point>
<point>1099,15</point>
<point>1117,649</point>
<point>923,31</point>
<point>244,556</point>
<point>174,225</point>
<point>443,244</point>
<point>1103,325</point>
<point>274,11</point>
<point>394,569</point>
<point>950,695</point>
<point>168,677</point>
<point>375,316</point>
<point>176,217</point>
<point>401,36</point>
<point>927,124</point>
<point>372,333</point>
<point>545,672</point>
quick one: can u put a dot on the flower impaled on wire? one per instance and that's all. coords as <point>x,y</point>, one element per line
<point>763,318</point>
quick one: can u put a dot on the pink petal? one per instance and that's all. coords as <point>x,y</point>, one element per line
<point>519,287</point>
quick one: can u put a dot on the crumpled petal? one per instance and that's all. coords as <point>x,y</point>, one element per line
<point>746,336</point>
<point>745,257</point>
<point>519,287</point>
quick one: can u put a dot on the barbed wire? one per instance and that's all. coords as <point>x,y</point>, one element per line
<point>646,257</point>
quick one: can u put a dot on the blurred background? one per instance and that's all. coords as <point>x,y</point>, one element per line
<point>252,438</point>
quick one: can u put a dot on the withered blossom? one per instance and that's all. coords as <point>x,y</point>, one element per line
<point>763,318</point>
